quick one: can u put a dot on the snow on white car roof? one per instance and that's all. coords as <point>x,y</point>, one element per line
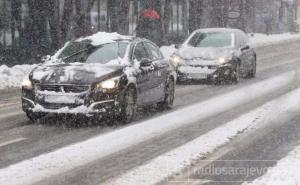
<point>217,30</point>
<point>104,38</point>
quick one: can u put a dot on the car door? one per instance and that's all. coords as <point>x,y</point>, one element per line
<point>144,75</point>
<point>249,52</point>
<point>245,53</point>
<point>159,73</point>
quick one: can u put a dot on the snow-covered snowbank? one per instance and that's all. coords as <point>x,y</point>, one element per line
<point>173,162</point>
<point>286,172</point>
<point>82,153</point>
<point>13,76</point>
<point>257,40</point>
<point>261,39</point>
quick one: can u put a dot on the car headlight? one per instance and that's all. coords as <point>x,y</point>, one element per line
<point>27,84</point>
<point>223,60</point>
<point>108,84</point>
<point>177,60</point>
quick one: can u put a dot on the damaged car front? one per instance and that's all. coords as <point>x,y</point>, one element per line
<point>78,81</point>
<point>104,75</point>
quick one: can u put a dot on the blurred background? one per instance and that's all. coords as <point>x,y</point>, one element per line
<point>30,29</point>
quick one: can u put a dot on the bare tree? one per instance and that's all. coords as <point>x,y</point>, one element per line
<point>118,11</point>
<point>37,26</point>
<point>16,22</point>
<point>167,16</point>
<point>66,19</point>
<point>195,15</point>
<point>54,23</point>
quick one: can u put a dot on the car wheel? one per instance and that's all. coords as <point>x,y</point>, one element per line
<point>236,74</point>
<point>169,96</point>
<point>252,73</point>
<point>128,107</point>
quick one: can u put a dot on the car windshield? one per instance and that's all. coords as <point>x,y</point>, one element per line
<point>86,53</point>
<point>212,39</point>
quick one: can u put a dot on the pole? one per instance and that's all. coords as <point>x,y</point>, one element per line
<point>99,15</point>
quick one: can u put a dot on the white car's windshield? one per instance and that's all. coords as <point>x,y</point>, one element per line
<point>212,39</point>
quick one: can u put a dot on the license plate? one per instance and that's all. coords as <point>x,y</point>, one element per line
<point>60,99</point>
<point>198,76</point>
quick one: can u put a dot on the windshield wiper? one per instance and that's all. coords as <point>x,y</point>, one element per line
<point>88,48</point>
<point>74,54</point>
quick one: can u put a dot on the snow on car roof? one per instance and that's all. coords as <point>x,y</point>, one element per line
<point>104,38</point>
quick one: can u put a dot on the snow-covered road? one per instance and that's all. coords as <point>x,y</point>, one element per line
<point>175,161</point>
<point>286,172</point>
<point>55,163</point>
<point>68,154</point>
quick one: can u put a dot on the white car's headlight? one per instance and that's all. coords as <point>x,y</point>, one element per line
<point>176,60</point>
<point>27,84</point>
<point>223,60</point>
<point>109,84</point>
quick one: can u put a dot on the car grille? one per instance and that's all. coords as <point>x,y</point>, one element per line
<point>205,66</point>
<point>55,106</point>
<point>64,88</point>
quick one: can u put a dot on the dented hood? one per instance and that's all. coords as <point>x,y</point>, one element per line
<point>73,73</point>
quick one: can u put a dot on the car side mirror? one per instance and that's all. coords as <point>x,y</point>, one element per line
<point>45,58</point>
<point>145,62</point>
<point>245,48</point>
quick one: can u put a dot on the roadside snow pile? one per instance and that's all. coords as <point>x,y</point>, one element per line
<point>257,40</point>
<point>12,77</point>
<point>262,39</point>
<point>286,172</point>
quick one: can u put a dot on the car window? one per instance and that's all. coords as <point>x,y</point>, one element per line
<point>107,53</point>
<point>153,51</point>
<point>212,39</point>
<point>140,52</point>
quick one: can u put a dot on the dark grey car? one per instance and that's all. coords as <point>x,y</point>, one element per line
<point>100,78</point>
<point>216,54</point>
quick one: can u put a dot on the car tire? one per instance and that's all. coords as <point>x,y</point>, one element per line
<point>128,106</point>
<point>236,74</point>
<point>169,96</point>
<point>252,73</point>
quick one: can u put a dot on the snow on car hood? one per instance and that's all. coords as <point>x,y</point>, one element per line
<point>190,53</point>
<point>75,73</point>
